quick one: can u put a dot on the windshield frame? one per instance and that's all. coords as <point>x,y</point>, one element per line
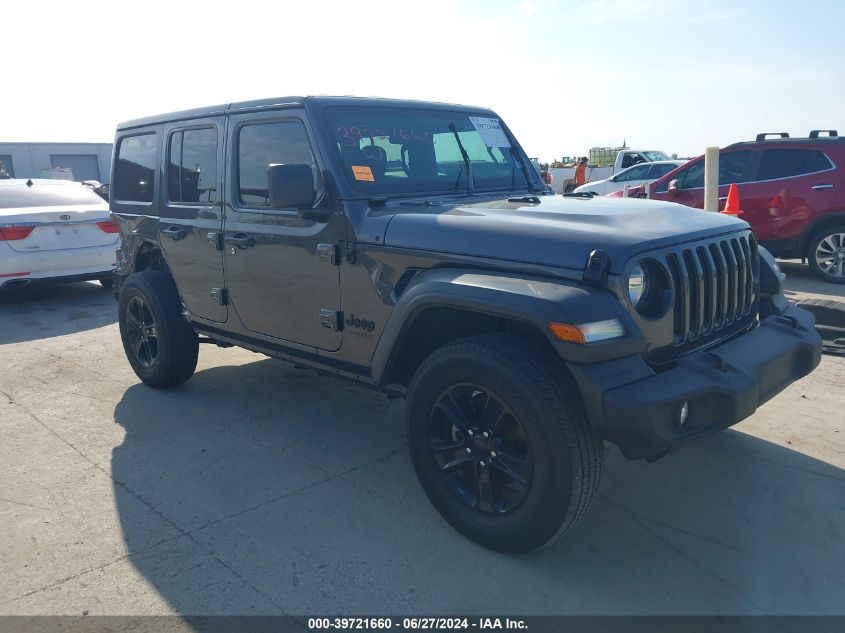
<point>331,153</point>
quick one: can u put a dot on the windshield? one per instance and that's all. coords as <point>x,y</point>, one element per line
<point>652,156</point>
<point>46,195</point>
<point>404,150</point>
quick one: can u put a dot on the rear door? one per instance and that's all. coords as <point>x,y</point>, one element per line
<point>790,188</point>
<point>280,273</point>
<point>191,218</point>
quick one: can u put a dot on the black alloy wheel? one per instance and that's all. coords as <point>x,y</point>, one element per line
<point>141,332</point>
<point>159,343</point>
<point>500,441</point>
<point>481,448</point>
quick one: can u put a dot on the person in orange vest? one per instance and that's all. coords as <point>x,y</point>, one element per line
<point>581,172</point>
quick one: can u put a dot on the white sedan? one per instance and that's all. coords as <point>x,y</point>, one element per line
<point>54,229</point>
<point>632,176</point>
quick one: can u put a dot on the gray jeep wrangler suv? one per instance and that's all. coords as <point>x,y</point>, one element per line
<point>412,247</point>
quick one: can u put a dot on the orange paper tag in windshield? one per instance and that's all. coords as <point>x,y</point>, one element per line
<point>362,172</point>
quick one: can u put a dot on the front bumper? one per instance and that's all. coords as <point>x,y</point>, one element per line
<point>639,409</point>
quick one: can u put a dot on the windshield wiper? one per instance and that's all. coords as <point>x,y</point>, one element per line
<point>467,161</point>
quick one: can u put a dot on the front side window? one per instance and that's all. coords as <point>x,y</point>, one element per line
<point>404,150</point>
<point>192,166</point>
<point>786,163</point>
<point>733,167</point>
<point>692,177</point>
<point>134,174</point>
<point>263,144</point>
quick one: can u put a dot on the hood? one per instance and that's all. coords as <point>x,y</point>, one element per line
<point>557,231</point>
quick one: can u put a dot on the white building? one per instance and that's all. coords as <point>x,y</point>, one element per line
<point>87,161</point>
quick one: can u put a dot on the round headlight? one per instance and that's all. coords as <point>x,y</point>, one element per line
<point>637,284</point>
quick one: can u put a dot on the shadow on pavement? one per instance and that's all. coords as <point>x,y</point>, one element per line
<point>44,310</point>
<point>293,494</point>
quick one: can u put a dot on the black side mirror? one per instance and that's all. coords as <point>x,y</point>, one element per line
<point>290,186</point>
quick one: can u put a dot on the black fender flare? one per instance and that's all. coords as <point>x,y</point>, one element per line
<point>535,301</point>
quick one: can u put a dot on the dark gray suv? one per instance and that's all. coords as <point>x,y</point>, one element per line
<point>411,247</point>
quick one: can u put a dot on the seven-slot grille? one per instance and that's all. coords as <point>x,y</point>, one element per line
<point>714,286</point>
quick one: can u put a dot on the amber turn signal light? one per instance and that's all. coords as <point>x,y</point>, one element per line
<point>587,332</point>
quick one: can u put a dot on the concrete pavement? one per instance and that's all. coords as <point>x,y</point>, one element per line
<point>256,488</point>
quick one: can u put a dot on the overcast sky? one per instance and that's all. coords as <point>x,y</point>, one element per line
<point>674,75</point>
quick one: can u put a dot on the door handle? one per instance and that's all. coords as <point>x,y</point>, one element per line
<point>174,233</point>
<point>823,186</point>
<point>240,240</point>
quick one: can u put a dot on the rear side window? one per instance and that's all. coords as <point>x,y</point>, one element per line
<point>192,166</point>
<point>263,144</point>
<point>134,173</point>
<point>785,163</point>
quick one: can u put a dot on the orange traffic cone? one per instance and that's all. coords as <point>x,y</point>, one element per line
<point>732,203</point>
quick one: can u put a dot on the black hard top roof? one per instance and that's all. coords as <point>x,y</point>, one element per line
<point>283,102</point>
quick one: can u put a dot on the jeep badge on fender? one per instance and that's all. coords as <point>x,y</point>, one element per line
<point>363,324</point>
<point>523,328</point>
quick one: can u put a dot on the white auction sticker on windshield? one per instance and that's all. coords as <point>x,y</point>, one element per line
<point>491,131</point>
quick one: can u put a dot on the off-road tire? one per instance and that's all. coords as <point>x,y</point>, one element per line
<point>567,456</point>
<point>813,244</point>
<point>177,345</point>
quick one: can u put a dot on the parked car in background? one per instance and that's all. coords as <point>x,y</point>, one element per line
<point>563,178</point>
<point>790,192</point>
<point>54,230</point>
<point>632,177</point>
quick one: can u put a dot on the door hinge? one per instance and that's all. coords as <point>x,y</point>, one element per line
<point>329,253</point>
<point>215,239</point>
<point>220,296</point>
<point>332,319</point>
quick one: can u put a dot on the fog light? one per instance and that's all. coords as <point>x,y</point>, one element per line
<point>684,413</point>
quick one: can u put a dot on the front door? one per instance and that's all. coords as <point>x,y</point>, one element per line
<point>191,218</point>
<point>734,168</point>
<point>281,278</point>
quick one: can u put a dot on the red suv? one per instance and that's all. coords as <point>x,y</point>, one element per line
<point>790,191</point>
